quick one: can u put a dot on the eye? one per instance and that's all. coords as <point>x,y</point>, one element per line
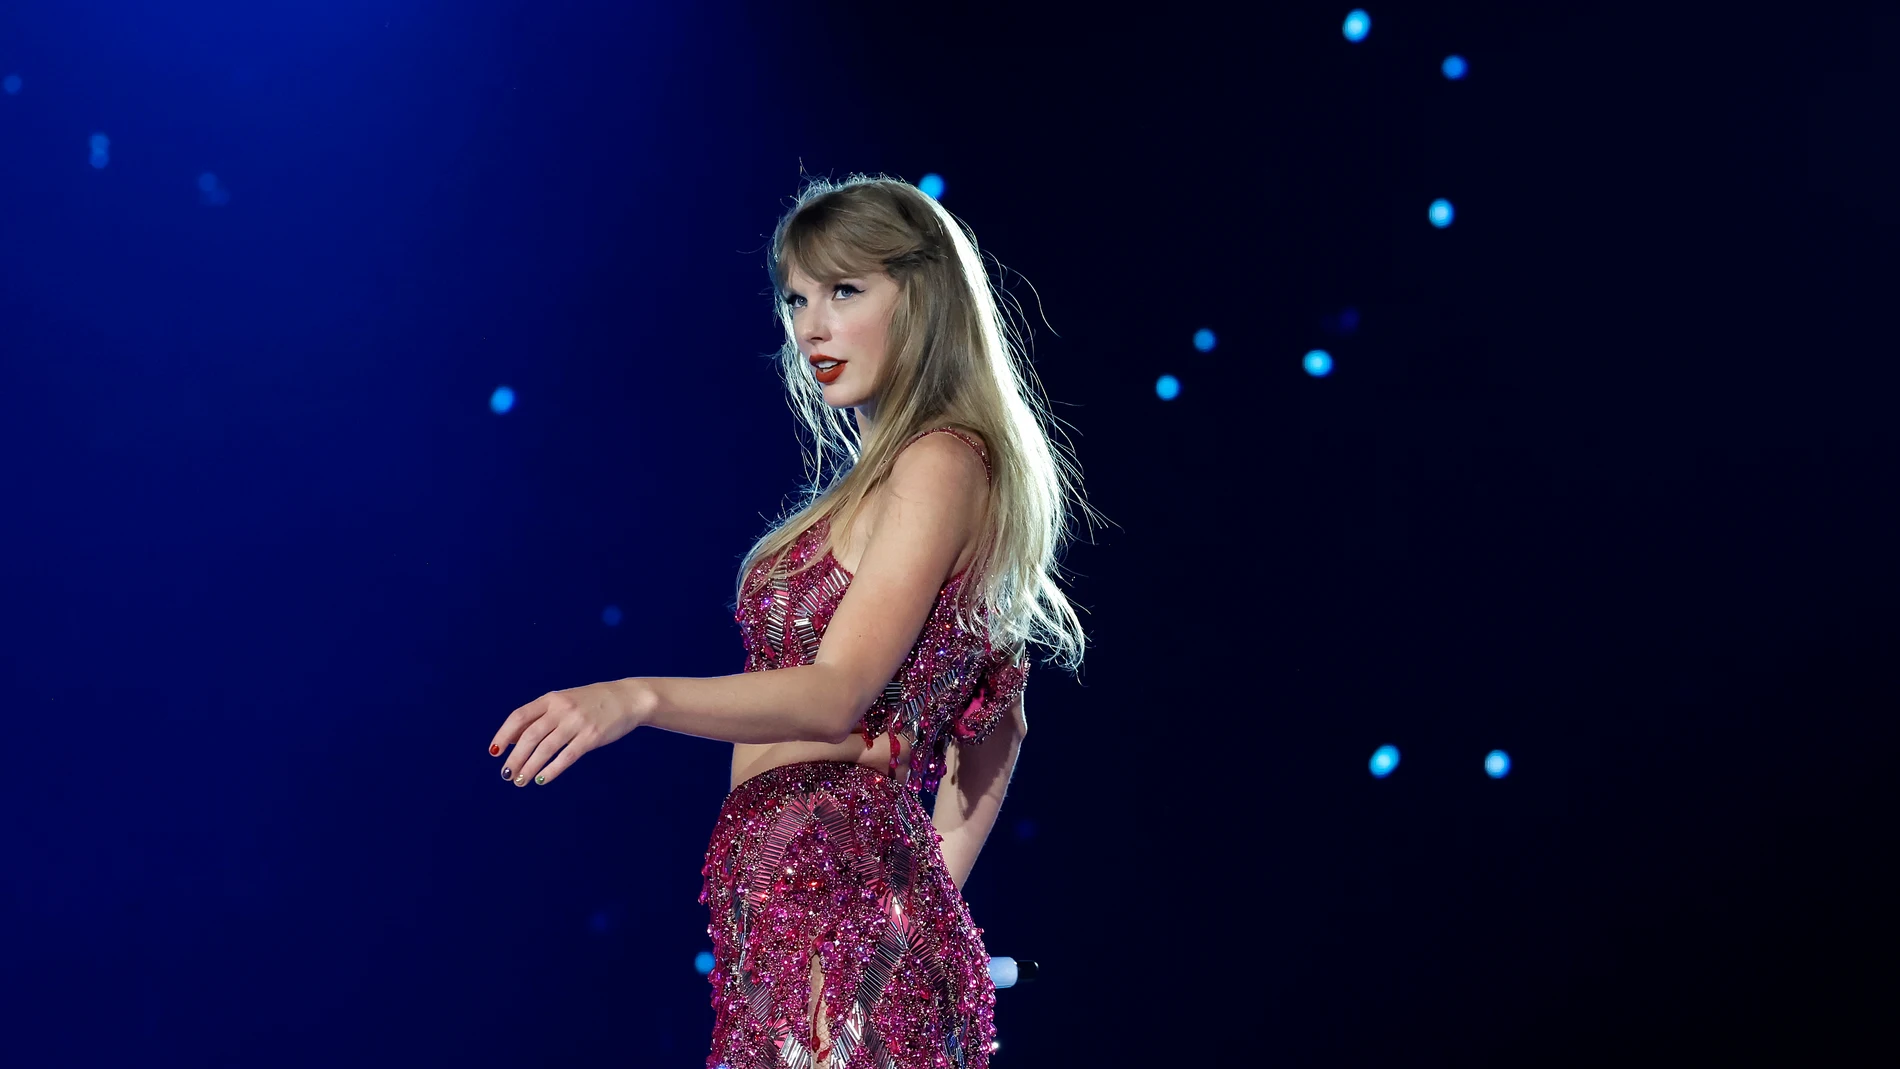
<point>792,299</point>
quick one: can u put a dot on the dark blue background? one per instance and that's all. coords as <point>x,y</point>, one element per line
<point>1603,478</point>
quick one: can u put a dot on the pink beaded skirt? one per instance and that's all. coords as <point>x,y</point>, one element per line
<point>833,859</point>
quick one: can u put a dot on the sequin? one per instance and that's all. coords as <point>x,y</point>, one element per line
<point>830,858</point>
<point>834,859</point>
<point>952,684</point>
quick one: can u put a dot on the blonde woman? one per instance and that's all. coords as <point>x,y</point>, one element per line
<point>886,624</point>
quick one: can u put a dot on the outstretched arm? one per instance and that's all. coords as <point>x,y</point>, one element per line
<point>803,703</point>
<point>934,497</point>
<point>971,795</point>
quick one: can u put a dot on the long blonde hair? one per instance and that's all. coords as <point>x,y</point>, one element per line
<point>953,361</point>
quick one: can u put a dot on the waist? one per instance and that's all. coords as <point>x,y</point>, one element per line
<point>798,777</point>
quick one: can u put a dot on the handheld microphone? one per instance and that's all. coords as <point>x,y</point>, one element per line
<point>1006,972</point>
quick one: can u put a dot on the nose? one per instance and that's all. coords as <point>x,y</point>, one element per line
<point>816,327</point>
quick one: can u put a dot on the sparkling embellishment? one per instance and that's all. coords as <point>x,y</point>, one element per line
<point>952,684</point>
<point>830,859</point>
<point>833,859</point>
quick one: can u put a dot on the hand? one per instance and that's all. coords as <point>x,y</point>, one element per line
<point>580,719</point>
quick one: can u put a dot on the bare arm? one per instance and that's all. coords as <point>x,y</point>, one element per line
<point>803,703</point>
<point>971,795</point>
<point>934,498</point>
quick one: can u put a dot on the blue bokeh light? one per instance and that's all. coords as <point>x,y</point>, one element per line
<point>703,962</point>
<point>1357,25</point>
<point>611,616</point>
<point>502,400</point>
<point>932,185</point>
<point>1025,829</point>
<point>1497,764</point>
<point>1440,213</point>
<point>12,84</point>
<point>1384,760</point>
<point>210,193</point>
<point>1454,67</point>
<point>1167,387</point>
<point>101,150</point>
<point>1204,340</point>
<point>1318,363</point>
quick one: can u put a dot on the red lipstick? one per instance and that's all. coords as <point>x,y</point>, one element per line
<point>826,375</point>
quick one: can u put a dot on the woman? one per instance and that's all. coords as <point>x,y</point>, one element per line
<point>840,935</point>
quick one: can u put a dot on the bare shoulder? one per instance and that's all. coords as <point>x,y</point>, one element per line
<point>940,464</point>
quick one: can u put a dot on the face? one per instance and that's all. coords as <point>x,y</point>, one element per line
<point>848,322</point>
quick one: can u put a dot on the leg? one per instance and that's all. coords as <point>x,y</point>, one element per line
<point>820,1031</point>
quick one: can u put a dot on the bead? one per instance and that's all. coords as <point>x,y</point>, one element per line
<point>873,881</point>
<point>838,859</point>
<point>951,683</point>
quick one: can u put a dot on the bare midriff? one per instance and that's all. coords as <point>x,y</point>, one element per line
<point>750,759</point>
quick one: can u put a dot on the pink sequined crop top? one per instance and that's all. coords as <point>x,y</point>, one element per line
<point>951,684</point>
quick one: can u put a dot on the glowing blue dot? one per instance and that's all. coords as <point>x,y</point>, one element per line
<point>703,962</point>
<point>1440,213</point>
<point>932,185</point>
<point>1497,764</point>
<point>1454,67</point>
<point>611,616</point>
<point>1384,760</point>
<point>1025,829</point>
<point>1318,363</point>
<point>1349,320</point>
<point>1204,340</point>
<point>12,83</point>
<point>101,150</point>
<point>210,193</point>
<point>502,400</point>
<point>1358,24</point>
<point>1167,387</point>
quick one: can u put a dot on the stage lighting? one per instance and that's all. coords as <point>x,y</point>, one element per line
<point>703,962</point>
<point>611,616</point>
<point>210,193</point>
<point>12,84</point>
<point>1497,764</point>
<point>501,400</point>
<point>932,185</point>
<point>1454,67</point>
<point>1167,387</point>
<point>1318,363</point>
<point>1204,340</point>
<point>101,150</point>
<point>1358,24</point>
<point>1384,760</point>
<point>1440,213</point>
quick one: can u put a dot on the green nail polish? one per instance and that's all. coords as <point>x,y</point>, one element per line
<point>541,779</point>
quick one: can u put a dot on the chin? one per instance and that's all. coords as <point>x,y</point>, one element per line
<point>837,396</point>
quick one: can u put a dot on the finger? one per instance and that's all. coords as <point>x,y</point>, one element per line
<point>516,766</point>
<point>511,728</point>
<point>569,754</point>
<point>541,753</point>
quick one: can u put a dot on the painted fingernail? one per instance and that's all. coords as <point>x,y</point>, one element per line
<point>521,781</point>
<point>507,773</point>
<point>541,779</point>
<point>494,749</point>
